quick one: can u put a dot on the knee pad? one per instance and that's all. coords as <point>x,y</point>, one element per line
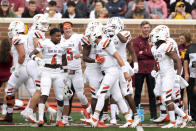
<point>10,100</point>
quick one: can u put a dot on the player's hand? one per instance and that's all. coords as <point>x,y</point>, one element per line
<point>178,77</point>
<point>39,61</point>
<point>77,56</point>
<point>135,67</point>
<point>154,74</point>
<point>127,76</point>
<point>99,59</point>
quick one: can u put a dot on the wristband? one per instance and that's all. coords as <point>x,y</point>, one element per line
<point>124,69</point>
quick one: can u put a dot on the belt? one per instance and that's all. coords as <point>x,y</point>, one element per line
<point>54,66</point>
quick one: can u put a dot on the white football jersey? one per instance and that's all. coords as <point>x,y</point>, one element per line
<point>72,45</point>
<point>19,39</point>
<point>32,34</point>
<point>51,53</point>
<point>164,63</point>
<point>92,53</point>
<point>121,47</point>
<point>106,48</point>
<point>175,45</point>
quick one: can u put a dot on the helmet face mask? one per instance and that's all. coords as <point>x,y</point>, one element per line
<point>95,33</point>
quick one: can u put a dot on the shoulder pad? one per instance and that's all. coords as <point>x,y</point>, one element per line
<point>38,34</point>
<point>106,43</point>
<point>126,34</point>
<point>84,40</point>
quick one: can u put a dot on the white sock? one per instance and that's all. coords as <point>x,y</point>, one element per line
<point>113,110</point>
<point>100,102</point>
<point>59,112</point>
<point>131,112</point>
<point>4,109</point>
<point>9,110</point>
<point>88,109</point>
<point>179,111</point>
<point>96,115</point>
<point>128,117</point>
<point>41,107</point>
<point>172,116</point>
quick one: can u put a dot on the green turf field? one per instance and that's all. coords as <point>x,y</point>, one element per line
<point>76,119</point>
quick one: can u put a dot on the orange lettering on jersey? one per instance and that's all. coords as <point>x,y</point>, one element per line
<point>53,59</point>
<point>69,58</point>
<point>168,48</point>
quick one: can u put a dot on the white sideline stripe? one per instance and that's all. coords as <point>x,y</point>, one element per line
<point>139,128</point>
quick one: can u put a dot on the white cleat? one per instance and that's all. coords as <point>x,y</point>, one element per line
<point>179,121</point>
<point>161,118</point>
<point>127,125</point>
<point>65,122</point>
<point>52,114</point>
<point>24,114</point>
<point>170,125</point>
<point>105,117</point>
<point>185,121</point>
<point>136,121</point>
<point>113,121</point>
<point>92,122</point>
<point>31,117</point>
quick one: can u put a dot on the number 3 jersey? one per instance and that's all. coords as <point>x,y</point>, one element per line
<point>72,45</point>
<point>164,63</point>
<point>51,53</point>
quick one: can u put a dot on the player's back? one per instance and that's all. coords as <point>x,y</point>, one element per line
<point>19,39</point>
<point>32,34</point>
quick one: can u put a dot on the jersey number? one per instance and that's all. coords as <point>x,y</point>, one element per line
<point>53,59</point>
<point>70,57</point>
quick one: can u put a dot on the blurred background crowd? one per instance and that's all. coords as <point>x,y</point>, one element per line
<point>129,9</point>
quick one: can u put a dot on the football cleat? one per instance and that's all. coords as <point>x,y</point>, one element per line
<point>40,123</point>
<point>185,121</point>
<point>127,124</point>
<point>170,125</point>
<point>8,117</point>
<point>105,117</point>
<point>113,121</point>
<point>162,118</point>
<point>59,124</point>
<point>136,121</point>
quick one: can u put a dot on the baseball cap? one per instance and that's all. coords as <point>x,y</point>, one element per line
<point>179,3</point>
<point>4,3</point>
